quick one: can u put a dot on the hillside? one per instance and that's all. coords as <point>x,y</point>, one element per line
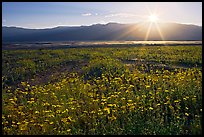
<point>101,32</point>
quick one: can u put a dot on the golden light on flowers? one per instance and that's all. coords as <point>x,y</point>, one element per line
<point>86,107</point>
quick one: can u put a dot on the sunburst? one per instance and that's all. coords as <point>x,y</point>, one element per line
<point>153,18</point>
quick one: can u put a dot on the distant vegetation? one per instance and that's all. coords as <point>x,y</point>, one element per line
<point>144,90</point>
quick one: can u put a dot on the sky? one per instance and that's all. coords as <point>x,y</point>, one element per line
<point>53,14</point>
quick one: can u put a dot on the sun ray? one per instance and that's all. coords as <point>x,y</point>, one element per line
<point>148,31</point>
<point>160,33</point>
<point>130,30</point>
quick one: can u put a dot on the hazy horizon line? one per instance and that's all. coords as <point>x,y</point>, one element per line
<point>96,24</point>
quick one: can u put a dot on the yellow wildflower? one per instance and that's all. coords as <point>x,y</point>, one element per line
<point>176,101</point>
<point>150,108</point>
<point>147,86</point>
<point>186,114</point>
<point>107,109</point>
<point>36,112</point>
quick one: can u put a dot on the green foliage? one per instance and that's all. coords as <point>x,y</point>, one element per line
<point>97,67</point>
<point>102,95</point>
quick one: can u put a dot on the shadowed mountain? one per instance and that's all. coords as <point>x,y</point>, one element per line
<point>105,32</point>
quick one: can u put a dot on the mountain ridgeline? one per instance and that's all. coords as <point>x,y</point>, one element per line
<point>105,32</point>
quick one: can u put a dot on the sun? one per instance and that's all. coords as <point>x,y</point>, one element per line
<point>153,18</point>
<point>153,22</point>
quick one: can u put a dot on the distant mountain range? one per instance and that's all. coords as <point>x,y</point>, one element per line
<point>104,32</point>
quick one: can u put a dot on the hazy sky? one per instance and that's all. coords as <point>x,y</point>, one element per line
<point>52,14</point>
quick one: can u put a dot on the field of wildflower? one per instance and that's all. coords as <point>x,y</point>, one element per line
<point>143,90</point>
